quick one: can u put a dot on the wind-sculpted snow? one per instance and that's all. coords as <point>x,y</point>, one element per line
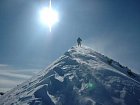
<point>80,77</point>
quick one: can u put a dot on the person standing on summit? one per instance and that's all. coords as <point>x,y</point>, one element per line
<point>79,40</point>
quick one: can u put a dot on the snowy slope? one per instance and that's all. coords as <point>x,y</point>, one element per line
<point>80,77</point>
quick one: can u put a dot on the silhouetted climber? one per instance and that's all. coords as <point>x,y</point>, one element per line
<point>79,41</point>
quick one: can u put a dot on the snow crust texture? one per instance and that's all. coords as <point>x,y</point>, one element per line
<point>80,77</point>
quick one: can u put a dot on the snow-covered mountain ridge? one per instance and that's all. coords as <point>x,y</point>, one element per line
<point>80,77</point>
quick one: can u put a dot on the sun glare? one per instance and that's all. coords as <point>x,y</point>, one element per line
<point>48,16</point>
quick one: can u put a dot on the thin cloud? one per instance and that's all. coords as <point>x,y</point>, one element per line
<point>11,77</point>
<point>14,75</point>
<point>3,65</point>
<point>7,84</point>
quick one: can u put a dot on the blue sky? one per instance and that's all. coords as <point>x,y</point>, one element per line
<point>111,27</point>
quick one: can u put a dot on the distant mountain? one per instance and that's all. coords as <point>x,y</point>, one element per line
<point>80,77</point>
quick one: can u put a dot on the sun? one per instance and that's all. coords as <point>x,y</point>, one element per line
<point>48,16</point>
